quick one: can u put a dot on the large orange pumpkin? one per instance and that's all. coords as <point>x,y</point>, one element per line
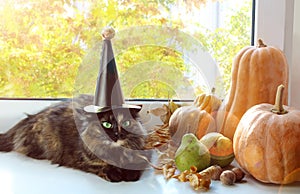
<point>190,119</point>
<point>267,142</point>
<point>256,73</point>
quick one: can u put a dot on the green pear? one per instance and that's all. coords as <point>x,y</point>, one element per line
<point>191,152</point>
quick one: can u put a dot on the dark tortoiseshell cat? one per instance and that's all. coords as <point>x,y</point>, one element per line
<point>109,144</point>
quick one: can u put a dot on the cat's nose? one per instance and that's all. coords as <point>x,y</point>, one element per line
<point>122,136</point>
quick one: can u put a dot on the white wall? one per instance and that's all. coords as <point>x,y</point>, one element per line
<point>295,58</point>
<point>278,24</point>
<point>269,22</point>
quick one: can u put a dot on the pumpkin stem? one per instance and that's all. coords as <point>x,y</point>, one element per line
<point>278,107</point>
<point>261,43</point>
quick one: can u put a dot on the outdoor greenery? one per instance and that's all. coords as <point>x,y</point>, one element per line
<point>51,48</point>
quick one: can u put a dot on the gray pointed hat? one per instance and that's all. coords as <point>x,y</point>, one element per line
<point>108,94</point>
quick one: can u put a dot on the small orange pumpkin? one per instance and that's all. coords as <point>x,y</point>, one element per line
<point>267,142</point>
<point>190,119</point>
<point>208,102</point>
<point>256,73</point>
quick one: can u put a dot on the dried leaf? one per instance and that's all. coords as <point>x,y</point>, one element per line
<point>158,137</point>
<point>158,111</point>
<point>173,106</point>
<point>194,181</point>
<point>183,176</point>
<point>193,169</point>
<point>157,144</point>
<point>205,183</point>
<point>169,170</point>
<point>169,173</point>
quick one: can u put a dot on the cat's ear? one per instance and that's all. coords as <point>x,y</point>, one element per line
<point>135,111</point>
<point>82,112</point>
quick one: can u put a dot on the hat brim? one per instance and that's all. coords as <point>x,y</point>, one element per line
<point>99,109</point>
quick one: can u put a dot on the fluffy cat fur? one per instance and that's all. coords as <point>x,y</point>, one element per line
<point>68,136</point>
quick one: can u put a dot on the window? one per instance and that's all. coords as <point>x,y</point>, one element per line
<point>163,49</point>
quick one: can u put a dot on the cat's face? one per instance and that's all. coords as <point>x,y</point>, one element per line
<point>117,137</point>
<point>120,124</point>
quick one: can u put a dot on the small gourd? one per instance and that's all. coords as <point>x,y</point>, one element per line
<point>208,102</point>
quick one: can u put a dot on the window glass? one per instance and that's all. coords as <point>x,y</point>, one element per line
<point>164,49</point>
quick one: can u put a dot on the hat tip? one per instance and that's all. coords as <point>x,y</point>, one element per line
<point>108,33</point>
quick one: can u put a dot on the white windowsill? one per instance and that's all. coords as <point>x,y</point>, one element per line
<point>23,175</point>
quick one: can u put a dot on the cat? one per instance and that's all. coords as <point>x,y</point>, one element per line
<point>109,144</point>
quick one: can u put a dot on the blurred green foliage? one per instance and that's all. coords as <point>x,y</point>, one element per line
<point>51,48</point>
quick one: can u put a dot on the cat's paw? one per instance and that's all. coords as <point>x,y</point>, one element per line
<point>115,174</point>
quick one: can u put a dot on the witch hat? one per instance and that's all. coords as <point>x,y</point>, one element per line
<point>108,94</point>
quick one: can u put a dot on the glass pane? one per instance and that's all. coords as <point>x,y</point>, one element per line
<point>163,49</point>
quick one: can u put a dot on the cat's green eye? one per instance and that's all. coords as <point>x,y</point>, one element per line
<point>107,125</point>
<point>126,124</point>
